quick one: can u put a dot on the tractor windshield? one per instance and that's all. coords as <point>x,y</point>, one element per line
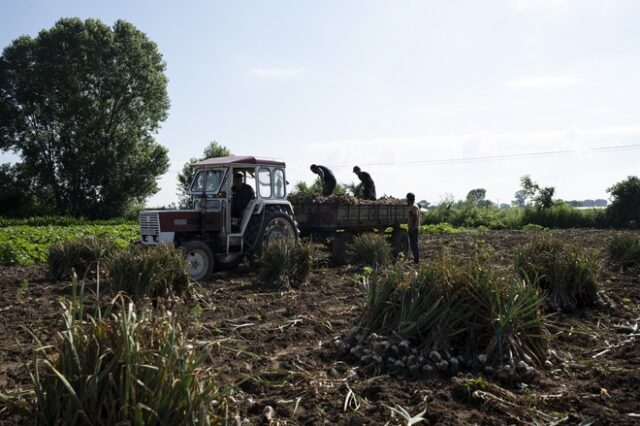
<point>209,183</point>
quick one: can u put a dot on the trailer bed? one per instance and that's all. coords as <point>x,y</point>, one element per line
<point>317,218</point>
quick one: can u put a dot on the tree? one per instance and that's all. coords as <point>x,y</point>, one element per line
<point>476,197</point>
<point>80,103</point>
<point>303,189</point>
<point>16,196</point>
<point>542,198</point>
<point>213,150</point>
<point>624,210</point>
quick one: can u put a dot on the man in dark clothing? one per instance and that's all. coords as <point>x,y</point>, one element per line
<point>414,226</point>
<point>242,194</point>
<point>327,178</point>
<point>367,185</point>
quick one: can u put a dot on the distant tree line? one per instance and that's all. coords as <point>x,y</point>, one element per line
<point>534,204</point>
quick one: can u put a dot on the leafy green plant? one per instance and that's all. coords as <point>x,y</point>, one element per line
<point>624,250</point>
<point>285,263</point>
<point>533,227</point>
<point>79,255</point>
<point>567,274</point>
<point>62,221</point>
<point>27,245</point>
<point>157,271</point>
<point>132,365</point>
<point>440,228</point>
<point>370,249</point>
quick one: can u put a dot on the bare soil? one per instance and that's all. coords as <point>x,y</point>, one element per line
<point>277,347</point>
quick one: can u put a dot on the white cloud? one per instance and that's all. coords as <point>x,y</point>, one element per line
<point>276,72</point>
<point>546,4</point>
<point>444,109</point>
<point>545,82</point>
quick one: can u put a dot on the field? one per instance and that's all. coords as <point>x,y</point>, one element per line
<point>277,347</point>
<point>29,244</point>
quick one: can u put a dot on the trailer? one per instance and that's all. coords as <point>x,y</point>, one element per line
<point>338,224</point>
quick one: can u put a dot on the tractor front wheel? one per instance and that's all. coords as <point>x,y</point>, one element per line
<point>200,259</point>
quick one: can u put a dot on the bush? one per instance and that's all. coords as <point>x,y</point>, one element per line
<point>563,216</point>
<point>624,250</point>
<point>370,249</point>
<point>457,307</point>
<point>440,228</point>
<point>134,366</point>
<point>624,210</point>
<point>568,274</point>
<point>157,271</point>
<point>286,263</point>
<point>560,215</point>
<point>79,255</point>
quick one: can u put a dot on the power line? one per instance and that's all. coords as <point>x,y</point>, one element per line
<point>502,156</point>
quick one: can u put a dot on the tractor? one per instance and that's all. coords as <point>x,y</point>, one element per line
<point>218,232</point>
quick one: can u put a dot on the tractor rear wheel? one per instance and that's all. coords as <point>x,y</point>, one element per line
<point>277,224</point>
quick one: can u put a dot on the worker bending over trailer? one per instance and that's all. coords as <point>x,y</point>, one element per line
<point>367,187</point>
<point>327,178</point>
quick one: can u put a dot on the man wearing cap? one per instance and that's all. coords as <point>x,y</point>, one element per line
<point>366,183</point>
<point>327,178</point>
<point>242,194</point>
<point>414,226</point>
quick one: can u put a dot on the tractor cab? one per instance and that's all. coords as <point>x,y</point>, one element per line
<point>238,186</point>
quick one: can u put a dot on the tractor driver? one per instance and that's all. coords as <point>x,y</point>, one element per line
<point>242,194</point>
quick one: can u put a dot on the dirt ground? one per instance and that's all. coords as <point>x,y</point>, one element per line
<point>277,347</point>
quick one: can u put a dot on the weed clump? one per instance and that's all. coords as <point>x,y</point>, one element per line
<point>126,366</point>
<point>78,254</point>
<point>567,274</point>
<point>157,271</point>
<point>624,250</point>
<point>285,263</point>
<point>370,249</point>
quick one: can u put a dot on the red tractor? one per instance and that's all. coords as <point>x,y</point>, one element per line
<point>222,228</point>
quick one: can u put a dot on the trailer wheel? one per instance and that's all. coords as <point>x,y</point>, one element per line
<point>339,252</point>
<point>200,259</point>
<point>278,224</point>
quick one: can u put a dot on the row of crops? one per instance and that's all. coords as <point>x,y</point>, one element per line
<point>28,245</point>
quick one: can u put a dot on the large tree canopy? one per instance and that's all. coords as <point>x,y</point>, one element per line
<point>80,103</point>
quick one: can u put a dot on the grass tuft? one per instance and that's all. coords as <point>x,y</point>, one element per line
<point>286,263</point>
<point>157,271</point>
<point>130,365</point>
<point>370,249</point>
<point>457,306</point>
<point>78,255</point>
<point>624,250</point>
<point>567,274</point>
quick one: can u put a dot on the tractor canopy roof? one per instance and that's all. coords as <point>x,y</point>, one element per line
<point>238,159</point>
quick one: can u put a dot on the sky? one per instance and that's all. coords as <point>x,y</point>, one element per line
<point>432,97</point>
